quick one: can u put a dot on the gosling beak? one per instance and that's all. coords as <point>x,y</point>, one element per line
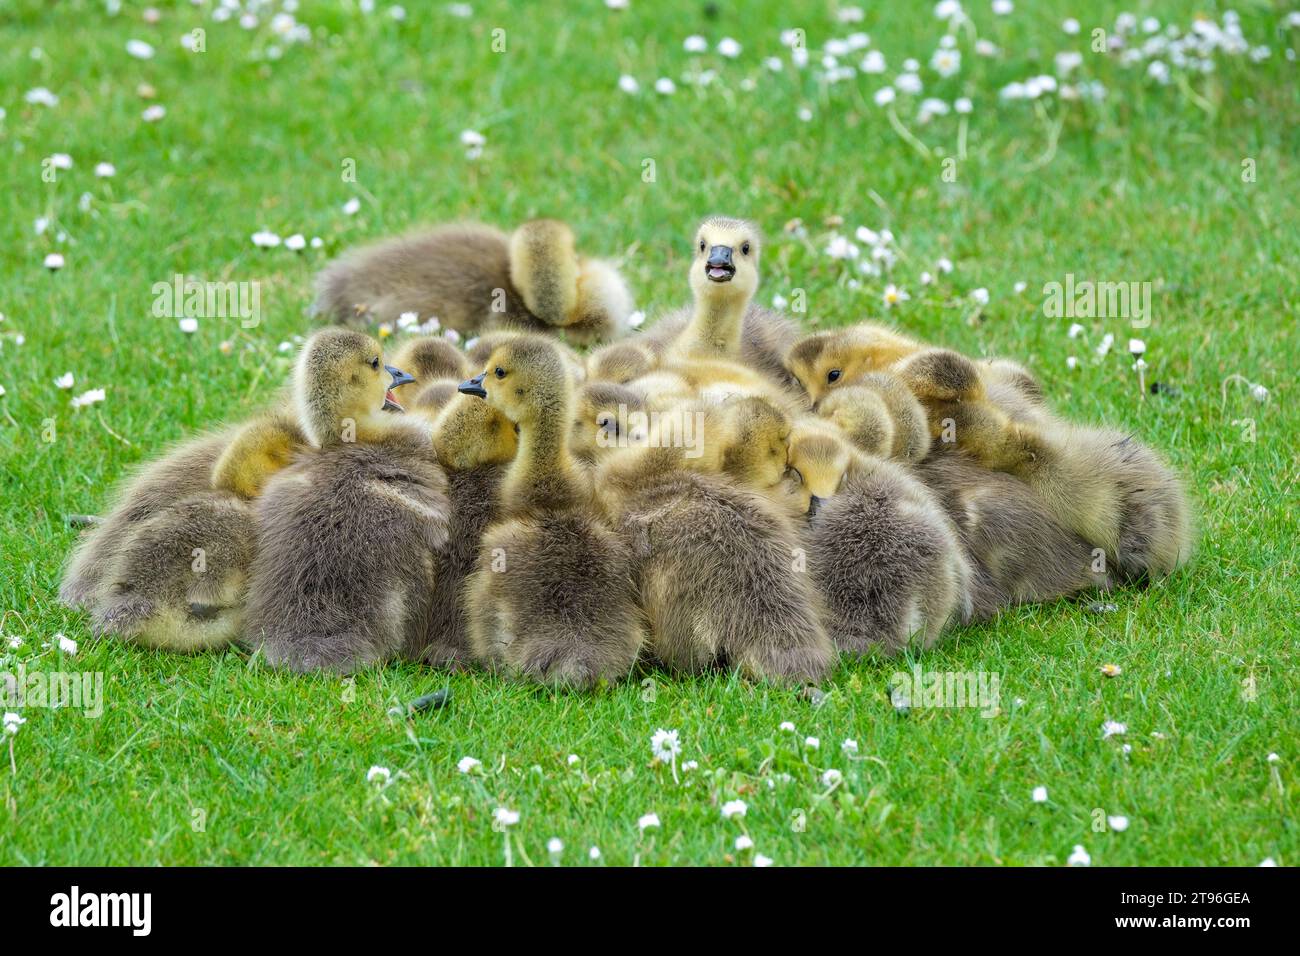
<point>400,378</point>
<point>814,505</point>
<point>719,267</point>
<point>474,386</point>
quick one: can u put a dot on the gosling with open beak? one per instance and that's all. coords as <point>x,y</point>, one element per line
<point>400,378</point>
<point>719,267</point>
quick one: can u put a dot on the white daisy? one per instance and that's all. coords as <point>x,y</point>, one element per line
<point>734,808</point>
<point>812,743</point>
<point>54,261</point>
<point>946,62</point>
<point>744,842</point>
<point>139,49</point>
<point>1039,795</point>
<point>265,239</point>
<point>554,846</point>
<point>760,860</point>
<point>873,62</point>
<point>1113,728</point>
<point>893,295</point>
<point>105,170</point>
<point>66,380</point>
<point>468,764</point>
<point>505,817</point>
<point>12,722</point>
<point>377,774</point>
<point>649,821</point>
<point>40,96</point>
<point>849,747</point>
<point>628,84</point>
<point>189,325</point>
<point>352,206</point>
<point>665,86</point>
<point>885,96</point>
<point>695,44</point>
<point>831,777</point>
<point>729,48</point>
<point>296,242</point>
<point>594,853</point>
<point>92,397</point>
<point>1079,857</point>
<point>1117,823</point>
<point>154,113</point>
<point>980,295</point>
<point>665,745</point>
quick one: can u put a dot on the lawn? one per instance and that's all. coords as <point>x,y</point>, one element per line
<point>1190,185</point>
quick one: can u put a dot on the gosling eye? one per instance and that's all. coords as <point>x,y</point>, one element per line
<point>374,363</point>
<point>701,245</point>
<point>744,249</point>
<point>500,372</point>
<point>833,376</point>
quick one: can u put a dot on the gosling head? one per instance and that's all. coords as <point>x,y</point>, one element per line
<point>724,267</point>
<point>527,380</point>
<point>828,360</point>
<point>340,378</point>
<point>607,415</point>
<point>429,358</point>
<point>755,433</point>
<point>819,460</point>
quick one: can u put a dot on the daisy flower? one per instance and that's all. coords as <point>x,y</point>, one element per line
<point>648,822</point>
<point>628,84</point>
<point>885,96</point>
<point>189,325</point>
<point>734,808</point>
<point>352,206</point>
<point>1039,795</point>
<point>695,44</point>
<point>265,239</point>
<point>505,817</point>
<point>981,296</point>
<point>812,743</point>
<point>946,62</point>
<point>894,295</point>
<point>12,722</point>
<point>1113,728</point>
<point>729,48</point>
<point>786,726</point>
<point>1117,823</point>
<point>54,261</point>
<point>92,397</point>
<point>297,242</point>
<point>378,774</point>
<point>665,86</point>
<point>139,49</point>
<point>744,842</point>
<point>849,747</point>
<point>760,860</point>
<point>554,846</point>
<point>832,777</point>
<point>105,170</point>
<point>1079,857</point>
<point>665,745</point>
<point>66,380</point>
<point>154,113</point>
<point>1111,670</point>
<point>468,764</point>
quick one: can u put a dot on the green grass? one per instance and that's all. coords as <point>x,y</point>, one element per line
<point>1144,186</point>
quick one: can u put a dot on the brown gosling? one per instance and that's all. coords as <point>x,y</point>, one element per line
<point>349,534</point>
<point>718,550</point>
<point>551,599</point>
<point>474,278</point>
<point>886,559</point>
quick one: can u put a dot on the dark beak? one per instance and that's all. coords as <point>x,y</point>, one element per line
<point>719,267</point>
<point>814,505</point>
<point>399,378</point>
<point>474,386</point>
